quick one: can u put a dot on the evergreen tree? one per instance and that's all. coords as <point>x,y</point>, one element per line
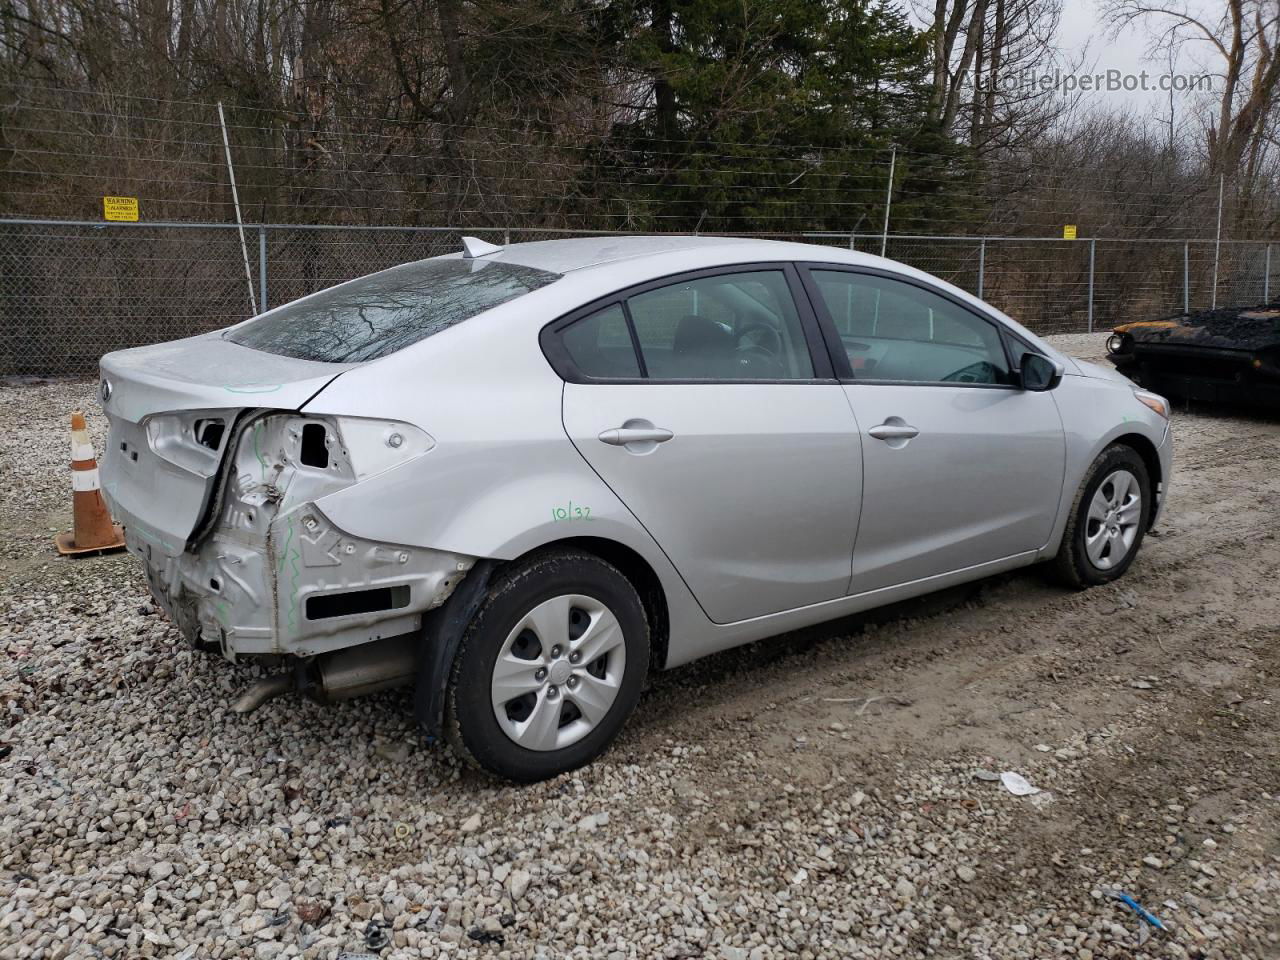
<point>769,117</point>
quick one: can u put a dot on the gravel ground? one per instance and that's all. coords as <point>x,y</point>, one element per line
<point>810,796</point>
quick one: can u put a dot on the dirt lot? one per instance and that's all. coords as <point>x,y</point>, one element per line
<point>810,796</point>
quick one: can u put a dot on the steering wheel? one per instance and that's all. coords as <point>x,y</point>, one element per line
<point>772,348</point>
<point>980,372</point>
<point>756,363</point>
<point>757,359</point>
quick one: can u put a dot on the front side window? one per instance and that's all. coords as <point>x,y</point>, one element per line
<point>740,326</point>
<point>897,331</point>
<point>380,314</point>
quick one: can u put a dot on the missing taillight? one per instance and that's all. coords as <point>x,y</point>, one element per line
<point>209,432</point>
<point>314,452</point>
<point>349,604</point>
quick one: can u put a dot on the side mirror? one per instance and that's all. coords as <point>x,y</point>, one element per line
<point>1037,373</point>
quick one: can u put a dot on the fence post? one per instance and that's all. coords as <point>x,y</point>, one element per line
<point>982,264</point>
<point>888,203</point>
<point>262,267</point>
<point>1092,244</point>
<point>1186,276</point>
<point>235,198</point>
<point>1266,277</point>
<point>1217,245</point>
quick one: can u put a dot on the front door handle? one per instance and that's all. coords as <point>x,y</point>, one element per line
<point>894,431</point>
<point>621,436</point>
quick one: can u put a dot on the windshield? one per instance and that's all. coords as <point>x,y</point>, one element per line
<point>380,314</point>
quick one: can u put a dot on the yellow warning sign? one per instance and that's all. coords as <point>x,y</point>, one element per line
<point>120,208</point>
<point>1069,232</point>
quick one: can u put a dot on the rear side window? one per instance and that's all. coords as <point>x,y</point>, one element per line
<point>731,326</point>
<point>740,326</point>
<point>600,345</point>
<point>380,314</point>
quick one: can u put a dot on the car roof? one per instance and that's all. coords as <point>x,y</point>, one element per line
<point>597,266</point>
<point>580,253</point>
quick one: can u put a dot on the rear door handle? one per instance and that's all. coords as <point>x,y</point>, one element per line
<point>894,431</point>
<point>621,436</point>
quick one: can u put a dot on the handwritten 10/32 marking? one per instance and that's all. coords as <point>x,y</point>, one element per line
<point>571,512</point>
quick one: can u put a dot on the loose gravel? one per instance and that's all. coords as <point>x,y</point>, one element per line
<point>832,793</point>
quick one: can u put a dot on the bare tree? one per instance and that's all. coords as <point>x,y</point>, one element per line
<point>984,51</point>
<point>952,59</point>
<point>1241,44</point>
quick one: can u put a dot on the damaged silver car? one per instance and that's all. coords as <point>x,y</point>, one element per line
<point>521,478</point>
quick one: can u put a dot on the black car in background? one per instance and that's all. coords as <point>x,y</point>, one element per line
<point>1231,354</point>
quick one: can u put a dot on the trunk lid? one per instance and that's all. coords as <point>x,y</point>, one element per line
<point>173,410</point>
<point>208,373</point>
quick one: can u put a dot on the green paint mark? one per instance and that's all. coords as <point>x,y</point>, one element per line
<point>220,608</point>
<point>257,450</point>
<point>293,585</point>
<point>151,534</point>
<point>571,512</point>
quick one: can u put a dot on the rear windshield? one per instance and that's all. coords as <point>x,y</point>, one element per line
<point>380,314</point>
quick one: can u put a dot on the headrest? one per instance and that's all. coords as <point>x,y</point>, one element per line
<point>699,334</point>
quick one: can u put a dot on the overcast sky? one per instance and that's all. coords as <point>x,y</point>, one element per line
<point>1083,32</point>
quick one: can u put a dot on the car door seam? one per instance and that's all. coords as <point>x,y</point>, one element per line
<point>1062,486</point>
<point>862,488</point>
<point>564,386</point>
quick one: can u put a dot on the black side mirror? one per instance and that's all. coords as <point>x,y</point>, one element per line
<point>1038,373</point>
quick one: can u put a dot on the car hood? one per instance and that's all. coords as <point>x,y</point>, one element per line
<point>207,373</point>
<point>1097,372</point>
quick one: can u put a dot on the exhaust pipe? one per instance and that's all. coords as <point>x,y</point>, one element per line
<point>262,691</point>
<point>343,674</point>
<point>370,667</point>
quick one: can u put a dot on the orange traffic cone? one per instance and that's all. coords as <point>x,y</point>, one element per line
<point>94,532</point>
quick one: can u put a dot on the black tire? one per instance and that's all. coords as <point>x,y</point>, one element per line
<point>470,722</point>
<point>1072,566</point>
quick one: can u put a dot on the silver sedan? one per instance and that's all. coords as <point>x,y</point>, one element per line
<point>521,478</point>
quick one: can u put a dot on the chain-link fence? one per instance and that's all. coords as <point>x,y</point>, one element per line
<point>71,291</point>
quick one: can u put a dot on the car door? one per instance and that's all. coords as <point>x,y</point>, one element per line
<point>961,467</point>
<point>702,403</point>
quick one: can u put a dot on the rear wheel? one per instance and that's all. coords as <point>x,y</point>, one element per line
<point>549,669</point>
<point>1108,520</point>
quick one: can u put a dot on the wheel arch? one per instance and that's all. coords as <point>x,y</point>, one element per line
<point>1150,459</point>
<point>443,627</point>
<point>642,576</point>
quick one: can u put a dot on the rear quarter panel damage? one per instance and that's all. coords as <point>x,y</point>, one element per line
<point>246,585</point>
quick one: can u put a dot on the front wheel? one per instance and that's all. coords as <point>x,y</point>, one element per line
<point>1108,520</point>
<point>549,669</point>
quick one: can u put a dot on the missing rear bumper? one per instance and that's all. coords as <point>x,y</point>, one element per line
<point>272,575</point>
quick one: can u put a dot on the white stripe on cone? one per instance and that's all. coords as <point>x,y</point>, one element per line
<point>81,446</point>
<point>82,480</point>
